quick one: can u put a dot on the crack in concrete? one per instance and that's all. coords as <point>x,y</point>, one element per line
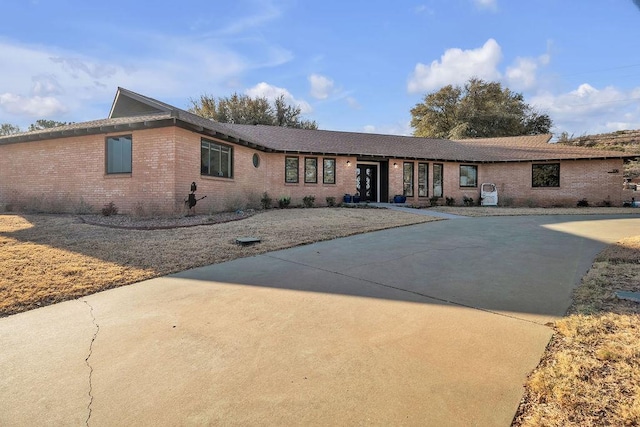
<point>86,360</point>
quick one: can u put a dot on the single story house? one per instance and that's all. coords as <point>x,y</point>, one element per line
<point>147,153</point>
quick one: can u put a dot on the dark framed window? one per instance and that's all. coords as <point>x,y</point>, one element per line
<point>468,176</point>
<point>291,170</point>
<point>407,179</point>
<point>545,175</point>
<point>311,170</point>
<point>437,179</point>
<point>119,154</point>
<point>423,179</point>
<point>328,171</point>
<point>216,159</point>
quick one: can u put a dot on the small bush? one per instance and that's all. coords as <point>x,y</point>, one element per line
<point>265,201</point>
<point>449,201</point>
<point>82,207</point>
<point>530,203</point>
<point>284,202</point>
<point>467,201</point>
<point>583,203</point>
<point>110,209</point>
<point>331,201</point>
<point>308,201</point>
<point>433,200</point>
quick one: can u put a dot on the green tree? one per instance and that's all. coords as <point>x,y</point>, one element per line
<point>8,129</point>
<point>242,109</point>
<point>45,124</point>
<point>479,109</point>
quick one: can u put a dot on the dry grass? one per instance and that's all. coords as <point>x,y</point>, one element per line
<point>590,372</point>
<point>51,258</point>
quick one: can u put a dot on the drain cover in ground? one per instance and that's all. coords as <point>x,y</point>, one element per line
<point>630,296</point>
<point>247,240</point>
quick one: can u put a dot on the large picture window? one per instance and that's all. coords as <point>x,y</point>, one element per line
<point>545,175</point>
<point>291,170</point>
<point>468,176</point>
<point>423,179</point>
<point>216,159</point>
<point>437,179</point>
<point>407,179</point>
<point>329,171</point>
<point>311,170</point>
<point>119,154</point>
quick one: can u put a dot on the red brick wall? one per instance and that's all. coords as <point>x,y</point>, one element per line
<point>54,175</point>
<point>579,179</point>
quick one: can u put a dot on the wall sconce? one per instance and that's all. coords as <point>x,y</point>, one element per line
<point>395,166</point>
<point>348,162</point>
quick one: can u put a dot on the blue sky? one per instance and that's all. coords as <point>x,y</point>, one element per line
<point>350,65</point>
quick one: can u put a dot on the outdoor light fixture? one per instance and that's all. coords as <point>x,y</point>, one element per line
<point>348,162</point>
<point>395,165</point>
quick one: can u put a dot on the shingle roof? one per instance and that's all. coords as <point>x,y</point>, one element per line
<point>288,140</point>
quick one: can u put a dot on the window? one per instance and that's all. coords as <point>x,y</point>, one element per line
<point>468,176</point>
<point>256,160</point>
<point>216,159</point>
<point>329,171</point>
<point>545,175</point>
<point>119,154</point>
<point>291,170</point>
<point>423,178</point>
<point>407,180</point>
<point>311,170</point>
<point>437,179</point>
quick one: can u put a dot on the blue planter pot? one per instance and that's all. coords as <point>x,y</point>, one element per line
<point>399,199</point>
<point>347,198</point>
<point>356,199</point>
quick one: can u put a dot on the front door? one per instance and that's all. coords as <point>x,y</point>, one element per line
<point>367,183</point>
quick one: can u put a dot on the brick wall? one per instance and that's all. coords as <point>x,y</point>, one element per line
<point>590,179</point>
<point>54,175</point>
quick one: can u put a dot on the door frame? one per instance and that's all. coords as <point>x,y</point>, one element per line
<point>377,165</point>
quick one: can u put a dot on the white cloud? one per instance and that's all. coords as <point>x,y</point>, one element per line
<point>265,90</point>
<point>486,4</point>
<point>456,66</point>
<point>353,103</point>
<point>69,82</point>
<point>33,106</point>
<point>321,86</point>
<point>588,110</point>
<point>399,128</point>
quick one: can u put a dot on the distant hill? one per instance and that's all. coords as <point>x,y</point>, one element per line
<point>623,140</point>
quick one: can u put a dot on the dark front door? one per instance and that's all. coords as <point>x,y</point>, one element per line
<point>366,183</point>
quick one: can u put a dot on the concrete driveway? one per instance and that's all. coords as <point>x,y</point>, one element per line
<point>433,324</point>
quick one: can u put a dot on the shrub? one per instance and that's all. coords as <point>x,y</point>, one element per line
<point>331,201</point>
<point>82,207</point>
<point>467,201</point>
<point>308,201</point>
<point>449,201</point>
<point>265,201</point>
<point>284,202</point>
<point>583,203</point>
<point>433,200</point>
<point>110,209</point>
